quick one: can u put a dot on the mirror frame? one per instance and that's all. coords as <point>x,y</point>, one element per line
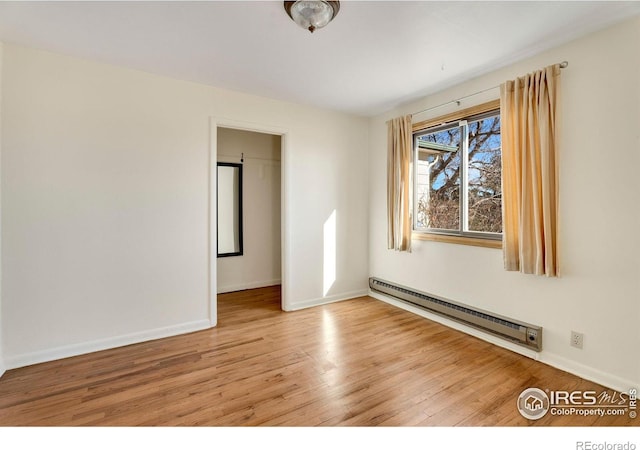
<point>240,211</point>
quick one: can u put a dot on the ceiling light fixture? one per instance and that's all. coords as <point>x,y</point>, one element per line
<point>312,14</point>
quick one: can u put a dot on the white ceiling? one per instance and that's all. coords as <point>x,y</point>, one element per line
<point>372,57</point>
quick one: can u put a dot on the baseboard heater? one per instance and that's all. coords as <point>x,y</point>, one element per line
<point>515,331</point>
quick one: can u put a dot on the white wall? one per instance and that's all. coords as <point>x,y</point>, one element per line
<point>105,197</point>
<point>597,293</point>
<point>261,260</point>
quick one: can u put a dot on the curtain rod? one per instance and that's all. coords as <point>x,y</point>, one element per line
<point>562,65</point>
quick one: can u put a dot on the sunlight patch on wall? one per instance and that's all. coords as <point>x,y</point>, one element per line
<point>329,266</point>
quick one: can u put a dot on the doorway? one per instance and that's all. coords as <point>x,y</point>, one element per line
<point>261,263</point>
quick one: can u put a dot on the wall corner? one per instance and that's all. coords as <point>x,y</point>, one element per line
<point>2,366</point>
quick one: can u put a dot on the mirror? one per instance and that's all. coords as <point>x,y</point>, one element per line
<point>229,213</point>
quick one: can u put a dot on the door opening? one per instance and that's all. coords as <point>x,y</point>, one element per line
<point>259,154</point>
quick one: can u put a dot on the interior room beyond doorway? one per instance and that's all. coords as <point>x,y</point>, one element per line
<point>259,264</point>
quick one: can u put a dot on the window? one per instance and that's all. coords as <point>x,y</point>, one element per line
<point>457,176</point>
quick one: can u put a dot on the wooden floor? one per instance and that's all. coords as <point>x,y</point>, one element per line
<point>358,362</point>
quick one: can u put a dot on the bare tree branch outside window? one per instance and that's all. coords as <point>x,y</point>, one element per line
<point>438,174</point>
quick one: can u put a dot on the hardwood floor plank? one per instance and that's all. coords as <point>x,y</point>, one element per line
<point>355,363</point>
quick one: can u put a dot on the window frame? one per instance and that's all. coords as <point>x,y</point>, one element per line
<point>460,236</point>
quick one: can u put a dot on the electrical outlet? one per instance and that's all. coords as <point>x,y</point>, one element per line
<point>577,339</point>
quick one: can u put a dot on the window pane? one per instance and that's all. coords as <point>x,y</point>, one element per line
<point>438,180</point>
<point>485,188</point>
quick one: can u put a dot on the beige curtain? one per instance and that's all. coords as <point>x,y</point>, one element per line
<point>528,114</point>
<point>400,143</point>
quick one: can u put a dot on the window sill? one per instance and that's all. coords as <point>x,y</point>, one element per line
<point>461,240</point>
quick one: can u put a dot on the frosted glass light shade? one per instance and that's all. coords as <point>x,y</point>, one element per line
<point>312,14</point>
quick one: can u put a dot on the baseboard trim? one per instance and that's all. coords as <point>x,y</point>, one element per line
<point>66,351</point>
<point>2,370</point>
<point>456,326</point>
<point>588,373</point>
<point>326,300</point>
<point>550,359</point>
<point>245,286</point>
